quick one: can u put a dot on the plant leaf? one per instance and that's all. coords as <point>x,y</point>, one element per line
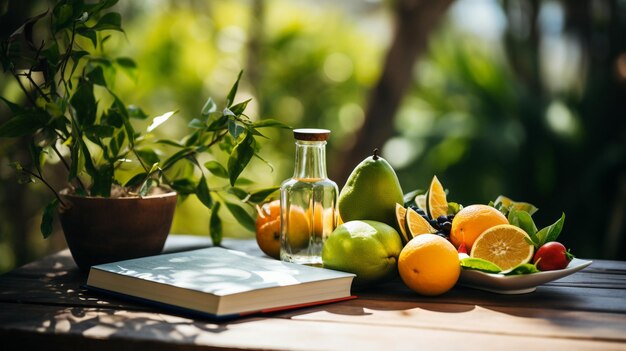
<point>96,76</point>
<point>203,193</point>
<point>84,103</point>
<point>110,21</point>
<point>103,181</point>
<point>240,193</point>
<point>230,98</point>
<point>240,107</point>
<point>551,232</point>
<point>209,107</point>
<point>526,268</point>
<point>215,225</point>
<point>216,169</point>
<point>523,220</point>
<point>23,124</point>
<point>241,215</point>
<point>136,112</point>
<point>480,265</point>
<point>157,121</point>
<point>148,156</point>
<point>48,217</point>
<point>184,186</point>
<point>239,157</point>
<point>265,123</point>
<point>136,180</point>
<point>260,195</point>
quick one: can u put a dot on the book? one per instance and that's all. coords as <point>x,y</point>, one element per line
<point>220,283</point>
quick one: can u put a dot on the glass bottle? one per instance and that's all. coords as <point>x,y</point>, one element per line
<point>308,201</point>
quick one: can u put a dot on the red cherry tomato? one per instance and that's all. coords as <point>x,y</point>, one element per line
<point>552,256</point>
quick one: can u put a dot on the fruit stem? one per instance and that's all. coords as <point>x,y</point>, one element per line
<point>376,156</point>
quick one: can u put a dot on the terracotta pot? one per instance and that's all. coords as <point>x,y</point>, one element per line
<point>101,230</point>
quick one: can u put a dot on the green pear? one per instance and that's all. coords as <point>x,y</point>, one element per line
<point>368,249</point>
<point>371,192</point>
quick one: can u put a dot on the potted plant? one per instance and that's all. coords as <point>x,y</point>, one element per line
<point>122,184</point>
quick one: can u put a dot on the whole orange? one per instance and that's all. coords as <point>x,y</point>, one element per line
<point>429,265</point>
<point>472,221</point>
<point>268,228</point>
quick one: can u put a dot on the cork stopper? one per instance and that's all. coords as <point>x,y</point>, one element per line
<point>311,134</point>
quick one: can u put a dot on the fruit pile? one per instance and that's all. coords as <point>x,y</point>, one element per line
<point>426,239</point>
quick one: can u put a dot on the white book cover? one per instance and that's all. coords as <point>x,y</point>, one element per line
<point>220,282</point>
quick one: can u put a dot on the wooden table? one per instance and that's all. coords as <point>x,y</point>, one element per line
<point>43,306</point>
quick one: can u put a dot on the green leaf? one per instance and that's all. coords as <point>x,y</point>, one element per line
<point>454,208</point>
<point>523,220</point>
<point>265,123</point>
<point>184,186</point>
<point>23,124</point>
<point>217,124</point>
<point>110,21</point>
<point>23,177</point>
<point>84,103</point>
<point>240,107</point>
<point>240,193</point>
<point>135,180</point>
<point>63,15</point>
<point>176,157</point>
<point>128,66</point>
<point>15,108</point>
<point>170,143</point>
<point>209,107</point>
<point>480,265</point>
<point>136,112</point>
<point>88,33</point>
<point>230,98</point>
<point>216,169</point>
<point>148,156</point>
<point>215,225</point>
<point>157,121</point>
<point>241,215</point>
<point>96,76</point>
<point>103,181</point>
<point>240,156</point>
<point>146,186</point>
<point>551,233</point>
<point>260,195</point>
<point>48,217</point>
<point>203,193</point>
<point>196,124</point>
<point>526,268</point>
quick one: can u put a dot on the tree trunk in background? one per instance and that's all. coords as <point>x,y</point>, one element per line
<point>415,20</point>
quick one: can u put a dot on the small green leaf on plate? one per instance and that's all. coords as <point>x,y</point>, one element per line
<point>480,265</point>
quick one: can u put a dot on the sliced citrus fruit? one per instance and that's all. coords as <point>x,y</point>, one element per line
<point>505,245</point>
<point>416,224</point>
<point>401,220</point>
<point>420,202</point>
<point>437,203</point>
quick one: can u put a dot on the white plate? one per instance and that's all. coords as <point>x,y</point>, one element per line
<point>516,284</point>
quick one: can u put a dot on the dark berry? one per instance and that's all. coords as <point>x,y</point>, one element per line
<point>446,226</point>
<point>450,217</point>
<point>442,219</point>
<point>433,222</point>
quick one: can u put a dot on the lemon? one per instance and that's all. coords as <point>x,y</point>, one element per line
<point>505,245</point>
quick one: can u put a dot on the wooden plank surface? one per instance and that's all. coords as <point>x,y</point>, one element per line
<point>43,303</point>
